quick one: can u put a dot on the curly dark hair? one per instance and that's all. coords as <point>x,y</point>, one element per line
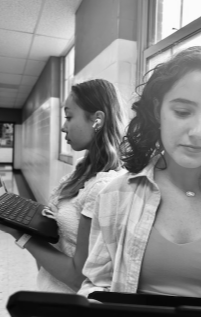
<point>142,140</point>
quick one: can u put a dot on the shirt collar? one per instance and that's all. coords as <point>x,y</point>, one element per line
<point>148,171</point>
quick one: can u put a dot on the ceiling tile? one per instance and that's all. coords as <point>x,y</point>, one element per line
<point>12,65</point>
<point>30,32</point>
<point>29,80</point>
<point>16,15</point>
<point>19,103</point>
<point>10,78</point>
<point>6,103</point>
<point>7,94</point>
<point>9,86</point>
<point>14,44</point>
<point>25,89</point>
<point>18,106</point>
<point>44,47</point>
<point>6,91</point>
<point>34,68</point>
<point>21,97</point>
<point>7,106</point>
<point>58,19</point>
<point>9,99</point>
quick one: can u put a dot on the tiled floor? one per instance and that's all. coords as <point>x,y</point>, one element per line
<point>17,267</point>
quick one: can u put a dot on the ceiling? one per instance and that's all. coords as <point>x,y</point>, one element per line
<point>30,32</point>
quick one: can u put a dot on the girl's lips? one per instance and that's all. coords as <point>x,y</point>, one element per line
<point>192,148</point>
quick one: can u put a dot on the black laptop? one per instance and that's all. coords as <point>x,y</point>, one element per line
<point>26,215</point>
<point>42,304</point>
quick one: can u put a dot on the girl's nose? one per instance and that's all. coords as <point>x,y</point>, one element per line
<point>195,130</point>
<point>64,128</point>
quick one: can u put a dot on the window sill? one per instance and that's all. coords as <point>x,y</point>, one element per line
<point>66,158</point>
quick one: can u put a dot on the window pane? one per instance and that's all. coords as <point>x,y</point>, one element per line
<point>67,83</point>
<point>71,56</point>
<point>66,89</point>
<point>171,15</point>
<point>191,11</point>
<point>167,18</point>
<point>195,40</point>
<point>69,63</point>
<point>160,58</point>
<point>65,148</point>
<point>66,67</point>
<point>192,41</point>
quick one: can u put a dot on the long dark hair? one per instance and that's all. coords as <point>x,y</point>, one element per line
<point>103,155</point>
<point>143,140</point>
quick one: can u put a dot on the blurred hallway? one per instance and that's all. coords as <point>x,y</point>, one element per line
<point>17,267</point>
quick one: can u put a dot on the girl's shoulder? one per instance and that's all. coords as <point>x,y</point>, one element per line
<point>108,176</point>
<point>102,179</point>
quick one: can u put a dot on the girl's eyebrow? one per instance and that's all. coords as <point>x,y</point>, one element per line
<point>185,101</point>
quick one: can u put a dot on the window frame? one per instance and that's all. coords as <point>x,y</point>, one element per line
<point>64,157</point>
<point>185,32</point>
<point>146,23</point>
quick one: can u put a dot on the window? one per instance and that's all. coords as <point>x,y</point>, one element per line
<point>6,142</point>
<point>172,15</point>
<point>175,48</point>
<point>67,66</point>
<point>172,25</point>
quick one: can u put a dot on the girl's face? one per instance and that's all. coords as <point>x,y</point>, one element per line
<point>78,129</point>
<point>180,119</point>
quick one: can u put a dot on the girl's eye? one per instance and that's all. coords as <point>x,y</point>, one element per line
<point>182,113</point>
<point>67,118</point>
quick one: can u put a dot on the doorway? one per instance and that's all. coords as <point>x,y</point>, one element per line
<point>6,143</point>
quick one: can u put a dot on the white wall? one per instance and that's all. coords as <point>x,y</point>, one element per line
<point>6,155</point>
<point>17,146</point>
<point>116,63</point>
<point>40,164</point>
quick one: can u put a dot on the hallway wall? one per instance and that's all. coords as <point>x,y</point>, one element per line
<point>106,44</point>
<point>17,146</point>
<point>40,134</point>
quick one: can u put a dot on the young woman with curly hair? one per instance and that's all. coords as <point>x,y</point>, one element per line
<point>146,234</point>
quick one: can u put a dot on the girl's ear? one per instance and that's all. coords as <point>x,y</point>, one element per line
<point>99,119</point>
<point>156,109</point>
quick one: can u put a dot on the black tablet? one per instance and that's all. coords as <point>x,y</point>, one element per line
<point>42,304</point>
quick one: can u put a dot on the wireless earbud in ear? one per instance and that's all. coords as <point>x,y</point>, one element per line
<point>97,121</point>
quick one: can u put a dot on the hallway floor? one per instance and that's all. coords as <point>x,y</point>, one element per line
<point>18,268</point>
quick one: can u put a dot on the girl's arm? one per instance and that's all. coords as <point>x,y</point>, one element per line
<point>98,267</point>
<point>64,268</point>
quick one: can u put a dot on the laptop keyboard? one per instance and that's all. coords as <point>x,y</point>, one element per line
<point>17,208</point>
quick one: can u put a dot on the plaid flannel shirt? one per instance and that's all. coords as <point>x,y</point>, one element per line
<point>124,214</point>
